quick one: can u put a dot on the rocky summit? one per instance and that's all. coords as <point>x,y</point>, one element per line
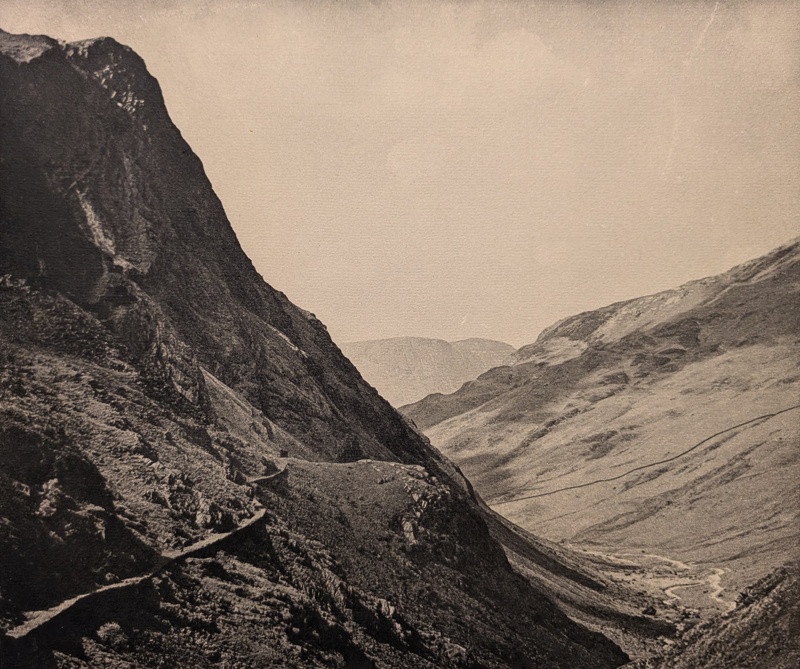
<point>193,474</point>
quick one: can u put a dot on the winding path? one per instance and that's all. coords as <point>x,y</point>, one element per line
<point>41,617</point>
<point>764,417</point>
<point>714,582</point>
<point>684,580</point>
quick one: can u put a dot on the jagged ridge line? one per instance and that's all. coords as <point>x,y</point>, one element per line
<point>652,464</point>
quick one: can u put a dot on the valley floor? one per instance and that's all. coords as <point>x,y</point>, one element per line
<point>676,596</point>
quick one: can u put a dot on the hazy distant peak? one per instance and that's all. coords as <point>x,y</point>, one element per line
<point>406,369</point>
<point>392,340</point>
<point>428,340</point>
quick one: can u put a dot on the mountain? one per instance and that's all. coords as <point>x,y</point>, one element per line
<point>406,369</point>
<point>662,431</point>
<point>193,474</point>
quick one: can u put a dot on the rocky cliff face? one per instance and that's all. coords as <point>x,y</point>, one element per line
<point>105,202</point>
<point>406,369</point>
<point>193,473</point>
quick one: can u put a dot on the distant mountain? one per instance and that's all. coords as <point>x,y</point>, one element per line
<point>668,424</point>
<point>193,474</point>
<point>406,369</point>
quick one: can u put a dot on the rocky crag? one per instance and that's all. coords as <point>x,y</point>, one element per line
<point>193,474</point>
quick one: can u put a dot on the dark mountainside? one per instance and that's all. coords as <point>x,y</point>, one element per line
<point>406,369</point>
<point>660,435</point>
<point>104,202</point>
<point>193,474</point>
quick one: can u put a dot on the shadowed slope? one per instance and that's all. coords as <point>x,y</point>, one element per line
<point>103,200</point>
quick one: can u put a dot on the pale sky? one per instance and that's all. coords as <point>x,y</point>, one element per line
<point>475,169</point>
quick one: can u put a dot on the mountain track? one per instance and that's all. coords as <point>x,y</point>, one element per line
<point>40,618</point>
<point>652,464</point>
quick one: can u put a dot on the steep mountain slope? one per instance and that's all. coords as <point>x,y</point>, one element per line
<point>194,475</point>
<point>406,369</point>
<point>83,215</point>
<point>668,424</point>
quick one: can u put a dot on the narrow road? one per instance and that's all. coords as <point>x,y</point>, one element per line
<point>715,581</point>
<point>675,563</point>
<point>41,617</point>
<point>687,578</point>
<point>763,417</point>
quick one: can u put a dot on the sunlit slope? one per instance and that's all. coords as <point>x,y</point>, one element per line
<point>664,423</point>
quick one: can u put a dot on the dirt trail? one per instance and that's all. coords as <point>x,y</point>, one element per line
<point>662,558</point>
<point>39,618</point>
<point>668,575</point>
<point>715,581</point>
<point>715,589</point>
<point>670,591</point>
